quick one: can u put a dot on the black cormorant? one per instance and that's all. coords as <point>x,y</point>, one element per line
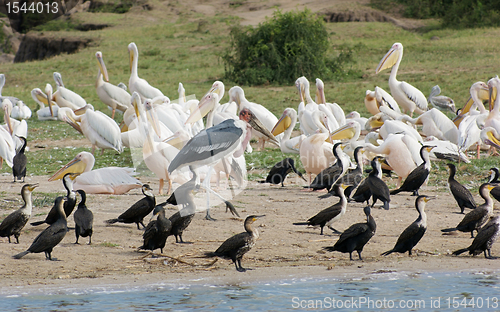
<point>84,219</point>
<point>15,222</point>
<point>138,211</point>
<point>417,177</point>
<point>280,170</point>
<point>51,236</point>
<point>329,176</point>
<point>477,217</point>
<point>460,193</point>
<point>494,175</point>
<point>414,232</point>
<point>235,247</point>
<point>69,203</point>
<point>484,239</point>
<point>156,233</point>
<point>356,236</point>
<point>331,214</point>
<point>180,220</point>
<point>378,188</point>
<point>19,162</point>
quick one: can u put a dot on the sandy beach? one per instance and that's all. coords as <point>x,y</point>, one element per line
<point>282,251</point>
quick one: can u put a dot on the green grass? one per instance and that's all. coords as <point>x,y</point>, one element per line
<point>173,52</point>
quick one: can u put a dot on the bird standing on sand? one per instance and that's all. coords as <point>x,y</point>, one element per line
<point>236,246</point>
<point>19,162</point>
<point>414,232</point>
<point>138,211</point>
<point>377,186</point>
<point>51,236</point>
<point>485,238</point>
<point>477,217</point>
<point>156,233</point>
<point>356,236</point>
<point>84,219</point>
<point>15,222</point>
<point>417,177</point>
<point>280,170</point>
<point>462,195</point>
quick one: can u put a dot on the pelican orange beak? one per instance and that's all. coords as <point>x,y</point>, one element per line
<point>206,104</point>
<point>102,66</point>
<point>81,110</point>
<point>131,56</point>
<point>375,122</point>
<point>345,132</point>
<point>492,140</point>
<point>492,95</point>
<point>136,101</point>
<point>75,166</point>
<point>282,124</point>
<point>390,58</point>
<point>151,117</point>
<point>216,88</point>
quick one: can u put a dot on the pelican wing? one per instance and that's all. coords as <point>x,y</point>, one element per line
<point>71,97</point>
<point>414,95</point>
<point>118,95</point>
<point>113,176</point>
<point>104,127</point>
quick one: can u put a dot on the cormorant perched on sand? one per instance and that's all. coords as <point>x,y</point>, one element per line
<point>19,162</point>
<point>356,236</point>
<point>235,247</point>
<point>15,222</point>
<point>331,175</point>
<point>156,233</point>
<point>485,238</point>
<point>414,232</point>
<point>69,203</point>
<point>494,175</point>
<point>477,217</point>
<point>331,214</point>
<point>280,170</point>
<point>182,218</point>
<point>51,236</point>
<point>460,193</point>
<point>84,219</point>
<point>352,178</point>
<point>378,188</point>
<point>138,211</point>
<point>417,177</point>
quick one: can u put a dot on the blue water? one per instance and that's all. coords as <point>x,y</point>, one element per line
<point>389,291</point>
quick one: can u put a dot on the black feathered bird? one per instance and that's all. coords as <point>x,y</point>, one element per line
<point>378,188</point>
<point>414,232</point>
<point>19,162</point>
<point>156,232</point>
<point>493,179</point>
<point>236,246</point>
<point>15,222</point>
<point>356,236</point>
<point>462,195</point>
<point>331,175</point>
<point>51,236</point>
<point>484,239</point>
<point>84,219</point>
<point>138,211</point>
<point>473,220</point>
<point>417,177</point>
<point>280,170</point>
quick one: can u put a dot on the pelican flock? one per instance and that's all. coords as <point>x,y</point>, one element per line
<point>184,151</point>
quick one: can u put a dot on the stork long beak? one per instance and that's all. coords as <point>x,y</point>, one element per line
<point>206,104</point>
<point>31,187</point>
<point>389,59</point>
<point>102,66</point>
<point>74,166</point>
<point>258,126</point>
<point>282,124</point>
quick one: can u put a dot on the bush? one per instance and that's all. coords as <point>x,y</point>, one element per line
<point>280,50</point>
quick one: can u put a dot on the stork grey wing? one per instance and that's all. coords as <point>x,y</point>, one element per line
<point>209,145</point>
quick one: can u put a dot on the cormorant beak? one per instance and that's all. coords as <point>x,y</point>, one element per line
<point>31,187</point>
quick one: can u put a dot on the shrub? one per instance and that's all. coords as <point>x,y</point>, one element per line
<point>280,50</point>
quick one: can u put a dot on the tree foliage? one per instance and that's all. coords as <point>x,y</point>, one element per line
<point>285,47</point>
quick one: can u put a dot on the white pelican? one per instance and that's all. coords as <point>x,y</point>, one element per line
<point>98,128</point>
<point>445,150</point>
<point>490,136</point>
<point>108,180</point>
<point>316,154</point>
<point>379,97</point>
<point>65,97</point>
<point>355,116</point>
<point>15,127</point>
<point>136,84</point>
<point>336,110</point>
<point>398,156</point>
<point>406,95</point>
<point>267,118</point>
<point>211,145</point>
<point>397,126</point>
<point>435,123</point>
<point>111,95</point>
<point>20,111</point>
<point>479,92</point>
<point>441,102</point>
<point>11,98</point>
<point>286,124</point>
<point>493,119</point>
<point>45,113</point>
<point>350,131</point>
<point>7,147</point>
